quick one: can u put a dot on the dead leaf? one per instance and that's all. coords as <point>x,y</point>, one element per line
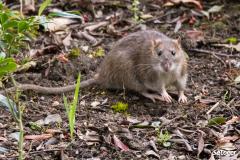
<point>195,35</point>
<point>195,2</point>
<point>67,40</point>
<point>237,80</point>
<point>228,139</point>
<point>57,24</point>
<point>62,58</point>
<point>178,26</point>
<point>233,120</point>
<point>38,137</point>
<point>120,144</point>
<point>200,144</point>
<point>215,9</point>
<point>152,153</point>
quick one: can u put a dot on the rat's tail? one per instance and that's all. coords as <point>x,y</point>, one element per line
<point>49,90</point>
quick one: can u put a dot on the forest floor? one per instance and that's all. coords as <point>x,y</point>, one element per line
<point>100,133</point>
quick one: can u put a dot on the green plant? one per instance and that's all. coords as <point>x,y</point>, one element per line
<point>71,107</point>
<point>15,30</point>
<point>163,137</point>
<point>120,107</point>
<point>135,10</point>
<point>17,110</point>
<point>44,6</point>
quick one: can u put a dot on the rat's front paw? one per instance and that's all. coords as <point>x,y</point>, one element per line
<point>182,98</point>
<point>166,97</point>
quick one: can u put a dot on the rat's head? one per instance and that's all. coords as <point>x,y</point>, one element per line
<point>167,54</point>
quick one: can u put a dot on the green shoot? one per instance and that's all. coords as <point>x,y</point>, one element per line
<point>71,107</point>
<point>120,107</point>
<point>135,10</point>
<point>163,138</point>
<point>44,6</point>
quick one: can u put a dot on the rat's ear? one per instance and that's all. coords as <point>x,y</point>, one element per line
<point>178,40</point>
<point>157,42</point>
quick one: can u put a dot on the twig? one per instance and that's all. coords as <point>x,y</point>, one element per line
<point>96,26</point>
<point>216,55</point>
<point>211,52</point>
<point>213,107</point>
<point>87,36</point>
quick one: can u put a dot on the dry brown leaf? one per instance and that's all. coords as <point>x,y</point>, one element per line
<point>227,139</point>
<point>195,2</point>
<point>67,40</point>
<point>120,144</point>
<point>233,120</point>
<point>200,144</point>
<point>195,35</point>
<point>62,58</point>
<point>38,137</point>
<point>57,24</point>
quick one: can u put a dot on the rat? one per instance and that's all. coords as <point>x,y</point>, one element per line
<point>146,62</point>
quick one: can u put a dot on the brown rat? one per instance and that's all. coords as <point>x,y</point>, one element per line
<point>145,61</point>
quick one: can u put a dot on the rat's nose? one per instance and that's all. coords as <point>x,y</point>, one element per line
<point>166,66</point>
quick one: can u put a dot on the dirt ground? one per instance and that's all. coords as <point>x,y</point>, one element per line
<point>211,92</point>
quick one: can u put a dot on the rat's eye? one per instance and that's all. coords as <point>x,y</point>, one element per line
<point>173,53</point>
<point>159,53</point>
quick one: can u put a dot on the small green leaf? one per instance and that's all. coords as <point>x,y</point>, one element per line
<point>43,6</point>
<point>120,107</point>
<point>23,25</point>
<point>10,24</point>
<point>217,121</point>
<point>3,18</point>
<point>232,40</point>
<point>6,66</point>
<point>99,52</point>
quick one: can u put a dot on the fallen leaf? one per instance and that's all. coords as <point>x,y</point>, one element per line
<point>120,144</point>
<point>38,137</point>
<point>195,2</point>
<point>215,9</point>
<point>200,144</point>
<point>95,104</point>
<point>178,26</point>
<point>14,135</point>
<point>146,16</point>
<point>67,40</point>
<point>237,80</point>
<point>195,35</point>
<point>152,153</point>
<point>233,120</point>
<point>217,121</point>
<point>52,118</point>
<point>57,24</point>
<point>62,58</point>
<point>228,139</point>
